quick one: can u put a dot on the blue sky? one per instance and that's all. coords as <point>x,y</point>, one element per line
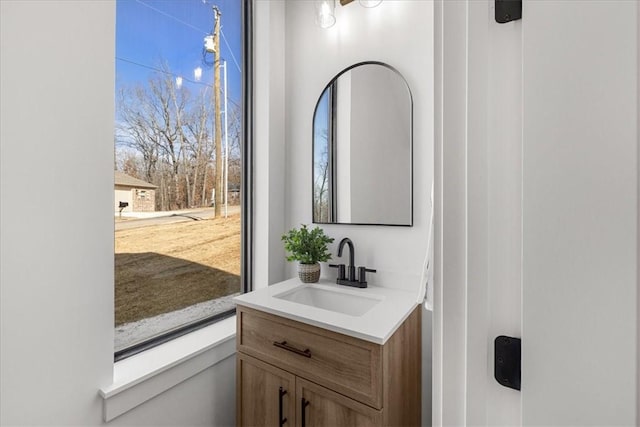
<point>148,31</point>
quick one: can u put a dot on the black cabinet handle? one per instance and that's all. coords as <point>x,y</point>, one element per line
<point>305,403</point>
<point>284,345</point>
<point>281,420</point>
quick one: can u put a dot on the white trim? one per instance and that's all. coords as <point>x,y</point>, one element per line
<point>438,163</point>
<point>142,377</point>
<point>451,220</point>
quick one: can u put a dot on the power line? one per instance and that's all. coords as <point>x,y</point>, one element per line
<point>235,61</point>
<point>142,65</point>
<point>168,15</point>
<point>168,73</point>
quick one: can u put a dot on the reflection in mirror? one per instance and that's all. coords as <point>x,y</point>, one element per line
<point>362,148</point>
<point>321,176</point>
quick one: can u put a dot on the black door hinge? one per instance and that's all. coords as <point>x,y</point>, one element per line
<point>508,10</point>
<point>507,361</point>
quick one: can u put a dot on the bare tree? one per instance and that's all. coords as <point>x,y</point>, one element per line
<point>200,144</point>
<point>321,180</point>
<point>165,135</point>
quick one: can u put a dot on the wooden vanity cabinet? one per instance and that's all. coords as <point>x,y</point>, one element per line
<point>267,394</point>
<point>315,377</point>
<point>328,408</point>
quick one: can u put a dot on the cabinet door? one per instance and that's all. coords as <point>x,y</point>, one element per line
<point>264,394</point>
<point>321,407</point>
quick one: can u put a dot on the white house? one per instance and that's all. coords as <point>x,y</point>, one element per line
<point>528,129</point>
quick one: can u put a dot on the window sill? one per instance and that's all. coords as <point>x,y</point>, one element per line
<point>140,378</point>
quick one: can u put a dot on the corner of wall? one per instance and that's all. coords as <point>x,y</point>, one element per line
<point>269,137</point>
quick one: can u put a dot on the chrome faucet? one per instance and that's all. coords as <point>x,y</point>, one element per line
<point>350,279</point>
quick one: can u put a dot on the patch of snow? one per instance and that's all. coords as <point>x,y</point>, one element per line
<point>135,332</point>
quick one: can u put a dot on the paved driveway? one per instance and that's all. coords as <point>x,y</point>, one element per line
<point>127,222</point>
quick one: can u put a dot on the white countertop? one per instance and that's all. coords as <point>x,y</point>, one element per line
<point>375,325</point>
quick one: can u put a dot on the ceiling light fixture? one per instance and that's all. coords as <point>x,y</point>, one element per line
<point>370,3</point>
<point>325,13</point>
<point>326,10</point>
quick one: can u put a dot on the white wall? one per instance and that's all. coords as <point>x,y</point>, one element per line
<point>207,399</point>
<point>580,212</point>
<point>538,174</point>
<point>56,260</point>
<point>269,141</point>
<point>399,33</point>
<point>313,57</point>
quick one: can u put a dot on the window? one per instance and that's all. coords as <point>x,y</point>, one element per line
<point>182,249</point>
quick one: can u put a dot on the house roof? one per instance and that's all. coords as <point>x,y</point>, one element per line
<point>129,181</point>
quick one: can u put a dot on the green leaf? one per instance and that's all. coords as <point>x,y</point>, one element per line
<point>307,246</point>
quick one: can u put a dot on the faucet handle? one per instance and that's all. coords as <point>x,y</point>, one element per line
<point>362,271</point>
<point>340,268</point>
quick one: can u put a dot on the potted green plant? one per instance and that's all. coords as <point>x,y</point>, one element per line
<point>309,248</point>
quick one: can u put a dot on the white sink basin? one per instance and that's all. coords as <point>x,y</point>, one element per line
<point>332,300</point>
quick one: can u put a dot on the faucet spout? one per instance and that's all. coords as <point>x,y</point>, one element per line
<point>352,269</point>
<point>351,251</point>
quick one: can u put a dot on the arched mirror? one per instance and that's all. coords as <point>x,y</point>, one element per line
<point>362,148</point>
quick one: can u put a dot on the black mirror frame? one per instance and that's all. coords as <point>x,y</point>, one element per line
<point>327,87</point>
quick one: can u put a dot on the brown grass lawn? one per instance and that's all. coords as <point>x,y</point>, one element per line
<point>162,268</point>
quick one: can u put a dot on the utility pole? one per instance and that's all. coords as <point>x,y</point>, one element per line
<point>226,145</point>
<point>217,118</point>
